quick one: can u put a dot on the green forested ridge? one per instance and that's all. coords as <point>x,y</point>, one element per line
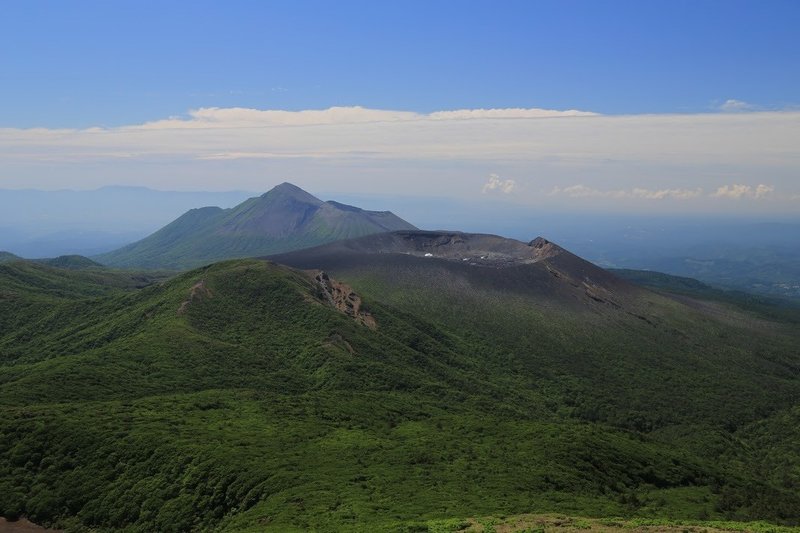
<point>234,397</point>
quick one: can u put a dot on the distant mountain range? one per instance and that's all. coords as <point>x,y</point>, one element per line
<point>754,255</point>
<point>283,219</point>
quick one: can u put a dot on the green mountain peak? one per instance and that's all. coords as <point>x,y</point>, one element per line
<point>290,190</point>
<point>283,219</point>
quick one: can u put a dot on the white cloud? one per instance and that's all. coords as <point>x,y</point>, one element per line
<point>737,191</point>
<point>732,106</point>
<point>498,184</point>
<point>532,135</point>
<point>763,190</point>
<point>575,191</point>
<point>507,113</point>
<point>678,194</point>
<point>582,191</point>
<point>240,117</point>
<point>387,151</point>
<point>732,191</point>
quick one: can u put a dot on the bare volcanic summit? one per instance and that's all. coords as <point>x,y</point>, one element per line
<point>436,259</point>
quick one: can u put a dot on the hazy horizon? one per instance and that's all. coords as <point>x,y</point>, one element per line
<point>757,251</point>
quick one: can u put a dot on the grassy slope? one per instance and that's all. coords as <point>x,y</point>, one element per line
<point>691,376</point>
<point>259,406</point>
<point>25,279</point>
<point>736,365</point>
<point>772,442</point>
<point>160,249</point>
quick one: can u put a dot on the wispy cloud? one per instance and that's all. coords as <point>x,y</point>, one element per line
<point>240,117</point>
<point>495,183</point>
<point>660,194</point>
<point>735,191</point>
<point>516,112</point>
<point>733,106</point>
<point>551,137</point>
<point>390,151</point>
<point>738,191</point>
<point>582,191</point>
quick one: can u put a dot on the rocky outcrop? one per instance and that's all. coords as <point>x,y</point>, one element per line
<point>544,249</point>
<point>342,298</point>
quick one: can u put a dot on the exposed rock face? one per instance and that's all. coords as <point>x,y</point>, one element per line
<point>544,249</point>
<point>341,297</point>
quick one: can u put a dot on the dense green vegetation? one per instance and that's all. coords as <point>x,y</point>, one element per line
<point>234,397</point>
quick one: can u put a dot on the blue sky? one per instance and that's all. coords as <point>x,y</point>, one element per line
<point>684,106</point>
<point>90,63</point>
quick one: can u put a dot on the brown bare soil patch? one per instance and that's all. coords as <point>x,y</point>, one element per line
<point>198,290</point>
<point>547,523</point>
<point>23,526</point>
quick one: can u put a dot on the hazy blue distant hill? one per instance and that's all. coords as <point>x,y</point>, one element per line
<point>772,307</point>
<point>283,219</point>
<point>36,223</point>
<point>5,257</point>
<point>70,262</point>
<point>755,257</point>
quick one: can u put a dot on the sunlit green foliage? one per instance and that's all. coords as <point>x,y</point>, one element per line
<point>232,398</point>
